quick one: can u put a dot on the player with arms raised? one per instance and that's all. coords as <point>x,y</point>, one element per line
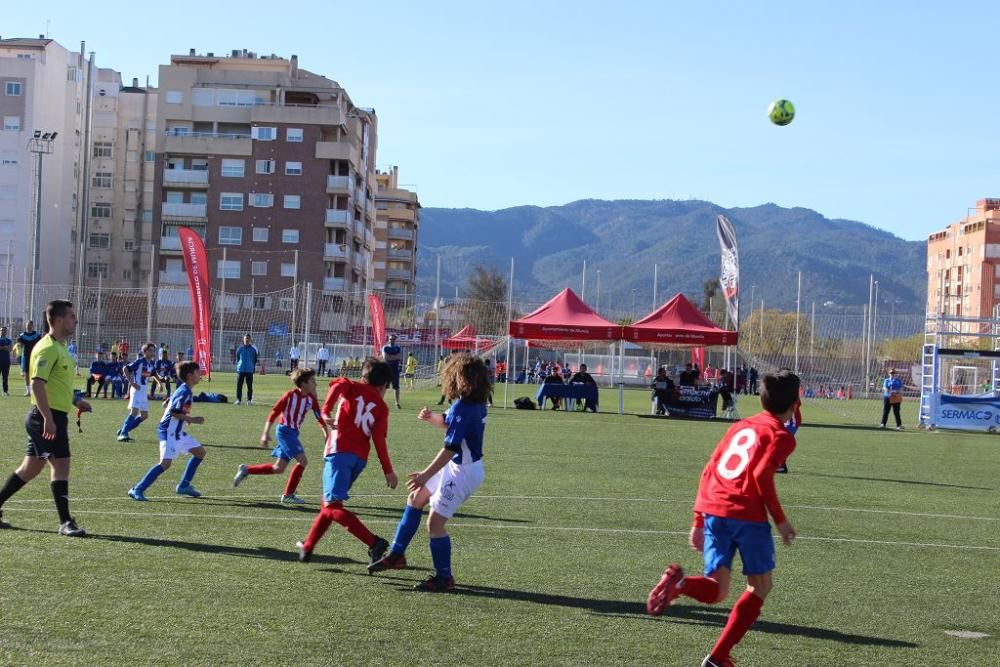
<point>735,496</point>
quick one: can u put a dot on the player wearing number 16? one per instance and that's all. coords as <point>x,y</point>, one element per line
<point>735,497</point>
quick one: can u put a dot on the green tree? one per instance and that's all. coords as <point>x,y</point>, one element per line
<point>902,349</point>
<point>486,303</point>
<point>778,332</point>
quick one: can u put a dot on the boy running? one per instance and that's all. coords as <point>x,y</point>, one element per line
<point>138,374</point>
<point>454,474</point>
<point>174,439</point>
<point>165,371</point>
<point>735,496</point>
<point>362,417</point>
<point>291,409</point>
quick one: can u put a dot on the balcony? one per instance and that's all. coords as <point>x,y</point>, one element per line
<point>400,233</point>
<point>170,243</point>
<point>399,274</point>
<point>210,143</point>
<point>400,253</point>
<point>194,178</point>
<point>183,210</point>
<point>334,284</point>
<point>337,150</point>
<point>298,114</point>
<point>173,277</point>
<point>338,185</point>
<point>335,251</point>
<point>404,214</point>
<point>336,217</point>
<point>359,263</point>
<point>369,239</point>
<point>359,228</point>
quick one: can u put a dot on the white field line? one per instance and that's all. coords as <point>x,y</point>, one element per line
<point>486,526</point>
<point>821,508</point>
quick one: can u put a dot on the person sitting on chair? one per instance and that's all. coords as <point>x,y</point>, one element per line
<point>554,378</point>
<point>688,377</point>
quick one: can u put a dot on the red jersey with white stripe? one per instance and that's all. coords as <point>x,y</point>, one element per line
<point>738,482</point>
<point>362,419</point>
<point>292,407</point>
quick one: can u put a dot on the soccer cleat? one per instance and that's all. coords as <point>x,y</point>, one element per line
<point>187,490</point>
<point>241,474</point>
<point>291,499</point>
<point>27,392</point>
<point>665,591</point>
<point>881,425</point>
<point>783,468</point>
<point>4,524</point>
<point>436,584</point>
<point>70,529</point>
<point>249,402</point>
<point>305,555</point>
<point>391,561</point>
<point>124,438</point>
<point>377,550</point>
<point>137,494</point>
<point>709,661</point>
<point>236,402</point>
<point>398,406</point>
<point>899,428</point>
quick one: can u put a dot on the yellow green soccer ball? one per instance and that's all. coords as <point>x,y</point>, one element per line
<point>781,112</point>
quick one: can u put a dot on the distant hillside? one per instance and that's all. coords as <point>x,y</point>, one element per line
<point>624,239</point>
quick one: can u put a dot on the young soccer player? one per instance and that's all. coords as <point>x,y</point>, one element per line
<point>165,371</point>
<point>454,474</point>
<point>174,439</point>
<point>735,496</point>
<point>362,417</point>
<point>392,354</point>
<point>291,409</point>
<point>410,374</point>
<point>138,374</point>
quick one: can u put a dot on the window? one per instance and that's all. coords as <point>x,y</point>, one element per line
<point>287,304</point>
<point>236,98</point>
<point>128,245</point>
<point>265,166</point>
<point>230,235</point>
<point>263,133</point>
<point>13,89</point>
<point>228,269</point>
<point>8,192</point>
<point>97,270</point>
<point>102,149</point>
<point>174,197</point>
<point>260,234</point>
<point>174,97</point>
<point>100,211</point>
<point>233,168</point>
<point>102,179</point>
<point>294,135</point>
<point>293,169</point>
<point>231,201</point>
<point>289,236</point>
<point>126,274</point>
<point>258,268</point>
<point>260,303</point>
<point>261,200</point>
<point>287,269</point>
<point>149,156</point>
<point>293,201</point>
<point>147,216</point>
<point>12,122</point>
<point>202,97</point>
<point>100,240</point>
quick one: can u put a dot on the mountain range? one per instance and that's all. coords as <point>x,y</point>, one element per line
<point>623,240</point>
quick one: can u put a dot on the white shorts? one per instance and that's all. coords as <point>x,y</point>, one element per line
<point>453,485</point>
<point>138,399</point>
<point>172,447</point>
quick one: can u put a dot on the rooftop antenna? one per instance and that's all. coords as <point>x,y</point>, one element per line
<point>48,22</point>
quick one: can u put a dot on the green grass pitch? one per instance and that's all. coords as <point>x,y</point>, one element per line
<point>554,557</point>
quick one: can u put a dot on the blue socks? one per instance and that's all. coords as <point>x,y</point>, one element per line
<point>441,555</point>
<point>150,477</point>
<point>190,470</point>
<point>131,421</point>
<point>406,529</point>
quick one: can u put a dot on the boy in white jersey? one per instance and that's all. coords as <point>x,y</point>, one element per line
<point>138,374</point>
<point>291,409</point>
<point>174,439</point>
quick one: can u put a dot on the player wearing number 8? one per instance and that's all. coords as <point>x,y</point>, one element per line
<point>735,497</point>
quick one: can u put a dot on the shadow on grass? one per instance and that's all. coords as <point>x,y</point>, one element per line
<point>255,448</point>
<point>894,481</point>
<point>396,512</point>
<point>267,553</point>
<point>691,615</point>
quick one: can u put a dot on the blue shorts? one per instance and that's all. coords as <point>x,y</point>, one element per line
<point>288,446</point>
<point>724,537</point>
<point>339,473</point>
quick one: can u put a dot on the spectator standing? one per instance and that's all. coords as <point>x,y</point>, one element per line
<point>892,398</point>
<point>5,345</point>
<point>293,357</point>
<point>752,380</point>
<point>246,364</point>
<point>322,359</point>
<point>123,350</point>
<point>28,339</point>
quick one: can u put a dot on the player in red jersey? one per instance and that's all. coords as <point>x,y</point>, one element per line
<point>291,409</point>
<point>735,496</point>
<point>362,417</point>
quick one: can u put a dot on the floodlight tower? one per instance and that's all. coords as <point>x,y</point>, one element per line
<point>40,144</point>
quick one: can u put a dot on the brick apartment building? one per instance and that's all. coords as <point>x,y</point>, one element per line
<point>397,226</point>
<point>963,264</point>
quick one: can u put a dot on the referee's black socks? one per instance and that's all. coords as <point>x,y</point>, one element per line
<point>13,485</point>
<point>60,493</point>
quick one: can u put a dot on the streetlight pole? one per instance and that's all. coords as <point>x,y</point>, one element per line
<point>40,144</point>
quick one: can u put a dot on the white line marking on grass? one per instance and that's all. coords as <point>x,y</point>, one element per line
<point>667,501</point>
<point>486,526</point>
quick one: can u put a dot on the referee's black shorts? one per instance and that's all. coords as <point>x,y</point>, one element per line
<point>38,446</point>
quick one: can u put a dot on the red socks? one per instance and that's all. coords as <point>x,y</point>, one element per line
<point>294,478</point>
<point>701,589</point>
<point>351,522</point>
<point>744,613</point>
<point>260,469</point>
<point>318,529</point>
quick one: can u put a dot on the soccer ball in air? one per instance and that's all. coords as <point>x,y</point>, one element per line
<point>781,112</point>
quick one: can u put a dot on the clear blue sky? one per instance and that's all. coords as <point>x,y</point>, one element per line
<point>498,104</point>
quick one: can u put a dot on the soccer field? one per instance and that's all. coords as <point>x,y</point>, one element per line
<point>898,544</point>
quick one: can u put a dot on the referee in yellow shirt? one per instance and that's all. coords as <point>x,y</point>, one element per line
<point>52,374</point>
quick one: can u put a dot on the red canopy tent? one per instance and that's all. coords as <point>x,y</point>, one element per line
<point>678,322</point>
<point>469,339</point>
<point>565,317</point>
